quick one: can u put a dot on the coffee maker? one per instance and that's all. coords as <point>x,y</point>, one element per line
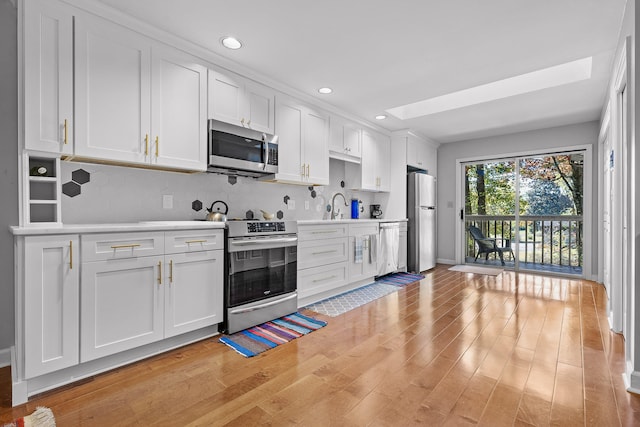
<point>376,212</point>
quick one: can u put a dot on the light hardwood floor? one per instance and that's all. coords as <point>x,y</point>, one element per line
<point>453,349</point>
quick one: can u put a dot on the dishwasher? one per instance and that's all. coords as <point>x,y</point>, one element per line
<point>388,248</point>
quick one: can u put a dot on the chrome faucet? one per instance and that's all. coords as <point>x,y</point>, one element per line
<point>333,204</point>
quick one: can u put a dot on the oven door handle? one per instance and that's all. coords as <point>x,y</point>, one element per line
<point>267,304</point>
<point>264,241</point>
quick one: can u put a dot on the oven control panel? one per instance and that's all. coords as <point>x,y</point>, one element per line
<point>265,227</point>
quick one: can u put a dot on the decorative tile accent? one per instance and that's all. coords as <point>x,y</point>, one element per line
<point>311,188</point>
<point>342,303</point>
<point>280,214</point>
<point>286,200</point>
<point>80,176</point>
<point>313,194</point>
<point>196,205</point>
<point>232,179</point>
<point>71,189</point>
<point>249,215</point>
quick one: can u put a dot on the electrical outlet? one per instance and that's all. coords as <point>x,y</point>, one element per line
<point>167,201</point>
<point>291,204</point>
<point>306,205</point>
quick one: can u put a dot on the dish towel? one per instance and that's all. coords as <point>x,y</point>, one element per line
<point>373,248</point>
<point>358,250</point>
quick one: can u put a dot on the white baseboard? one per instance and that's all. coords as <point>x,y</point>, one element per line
<point>631,379</point>
<point>5,357</point>
<point>446,261</point>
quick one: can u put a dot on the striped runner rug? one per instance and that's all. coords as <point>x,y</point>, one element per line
<point>265,336</point>
<point>400,279</point>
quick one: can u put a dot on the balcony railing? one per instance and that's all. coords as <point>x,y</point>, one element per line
<point>543,242</point>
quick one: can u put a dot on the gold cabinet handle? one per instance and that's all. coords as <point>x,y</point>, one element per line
<point>160,272</point>
<point>249,122</point>
<point>303,169</point>
<point>171,271</point>
<point>308,168</point>
<point>324,231</point>
<point>133,245</point>
<point>242,121</point>
<point>70,254</point>
<point>146,145</point>
<point>66,132</point>
<point>157,146</point>
<point>196,241</point>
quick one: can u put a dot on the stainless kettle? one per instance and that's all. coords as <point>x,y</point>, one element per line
<point>217,215</point>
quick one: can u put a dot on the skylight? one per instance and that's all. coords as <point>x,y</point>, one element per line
<point>558,75</point>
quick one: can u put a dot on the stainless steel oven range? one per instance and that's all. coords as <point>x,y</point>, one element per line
<point>262,269</point>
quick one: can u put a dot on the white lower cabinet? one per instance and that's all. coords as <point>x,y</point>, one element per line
<point>122,304</point>
<point>402,251</point>
<point>193,291</point>
<point>136,300</point>
<point>50,303</point>
<point>361,239</point>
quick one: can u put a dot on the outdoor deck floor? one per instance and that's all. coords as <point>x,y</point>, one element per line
<point>528,266</point>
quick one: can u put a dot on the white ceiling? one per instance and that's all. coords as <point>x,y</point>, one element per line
<point>379,54</point>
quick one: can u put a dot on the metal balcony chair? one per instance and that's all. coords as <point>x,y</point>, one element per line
<point>487,245</point>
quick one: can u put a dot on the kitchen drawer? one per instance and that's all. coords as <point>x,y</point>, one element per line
<point>322,252</point>
<point>363,229</point>
<point>313,281</point>
<point>317,232</point>
<point>99,247</point>
<point>193,241</point>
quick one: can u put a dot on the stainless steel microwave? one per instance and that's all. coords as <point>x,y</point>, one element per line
<point>236,150</point>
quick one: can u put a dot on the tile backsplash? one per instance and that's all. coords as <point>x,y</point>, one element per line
<point>115,194</point>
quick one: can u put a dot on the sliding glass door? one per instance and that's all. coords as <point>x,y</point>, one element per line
<point>525,213</point>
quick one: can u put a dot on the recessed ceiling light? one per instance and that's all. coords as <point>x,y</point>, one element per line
<point>558,75</point>
<point>325,90</point>
<point>381,117</point>
<point>231,42</point>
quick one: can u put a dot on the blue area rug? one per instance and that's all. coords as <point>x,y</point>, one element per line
<point>271,334</point>
<point>400,279</point>
<point>347,301</point>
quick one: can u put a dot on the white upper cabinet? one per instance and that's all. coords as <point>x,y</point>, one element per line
<point>345,140</point>
<point>303,144</point>
<point>420,154</point>
<point>242,102</point>
<point>373,172</point>
<point>48,76</point>
<point>136,101</point>
<point>113,92</point>
<point>179,110</point>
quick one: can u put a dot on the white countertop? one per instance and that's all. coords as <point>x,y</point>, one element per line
<point>115,227</point>
<point>347,221</point>
<point>49,229</point>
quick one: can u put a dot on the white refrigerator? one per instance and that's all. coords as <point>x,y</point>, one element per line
<point>421,211</point>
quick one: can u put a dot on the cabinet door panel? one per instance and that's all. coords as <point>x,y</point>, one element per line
<point>51,321</point>
<point>316,147</point>
<point>179,111</point>
<point>122,305</point>
<point>48,76</point>
<point>321,252</point>
<point>352,140</point>
<point>369,162</point>
<point>383,165</point>
<point>225,100</point>
<point>289,130</point>
<point>194,286</point>
<point>259,108</point>
<point>112,91</point>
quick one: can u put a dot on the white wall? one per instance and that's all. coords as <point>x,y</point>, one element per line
<point>8,166</point>
<point>123,194</point>
<point>564,136</point>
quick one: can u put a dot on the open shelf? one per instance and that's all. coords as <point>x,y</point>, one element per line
<point>42,190</point>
